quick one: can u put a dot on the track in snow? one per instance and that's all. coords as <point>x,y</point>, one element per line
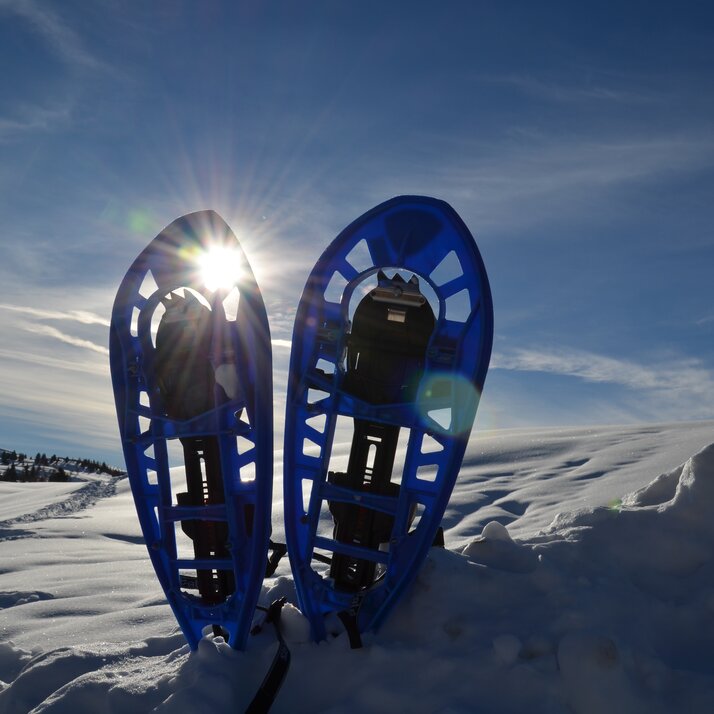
<point>78,500</point>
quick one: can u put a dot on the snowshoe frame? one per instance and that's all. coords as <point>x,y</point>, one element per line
<point>417,235</point>
<point>241,345</point>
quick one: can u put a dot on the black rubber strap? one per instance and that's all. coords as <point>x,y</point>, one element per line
<point>320,558</point>
<point>279,550</point>
<point>269,688</point>
<point>349,620</point>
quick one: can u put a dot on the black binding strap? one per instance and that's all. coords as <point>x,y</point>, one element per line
<point>279,550</point>
<point>269,688</point>
<point>320,558</point>
<point>349,617</point>
<point>349,620</point>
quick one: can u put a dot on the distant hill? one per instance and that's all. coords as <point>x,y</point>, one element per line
<point>18,466</point>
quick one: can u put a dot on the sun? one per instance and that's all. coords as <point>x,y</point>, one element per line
<point>221,267</point>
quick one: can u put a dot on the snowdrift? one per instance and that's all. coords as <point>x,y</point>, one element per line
<point>608,609</point>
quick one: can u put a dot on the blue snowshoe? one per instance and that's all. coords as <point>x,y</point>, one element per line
<point>391,345</point>
<point>191,369</point>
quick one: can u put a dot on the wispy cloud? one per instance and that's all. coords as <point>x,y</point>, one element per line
<point>49,331</point>
<point>682,376</point>
<point>32,320</point>
<point>29,117</point>
<point>96,367</point>
<point>46,22</point>
<point>559,91</point>
<point>67,408</point>
<point>82,316</point>
<point>526,179</point>
<point>54,108</point>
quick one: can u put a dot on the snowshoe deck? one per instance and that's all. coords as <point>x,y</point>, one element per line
<point>402,365</point>
<point>191,370</point>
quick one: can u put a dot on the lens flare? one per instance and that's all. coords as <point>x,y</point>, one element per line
<point>448,403</point>
<point>221,268</point>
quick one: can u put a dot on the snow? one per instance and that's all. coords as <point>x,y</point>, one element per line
<point>19,499</point>
<point>578,578</point>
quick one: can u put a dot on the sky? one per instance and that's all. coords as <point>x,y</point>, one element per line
<point>574,139</point>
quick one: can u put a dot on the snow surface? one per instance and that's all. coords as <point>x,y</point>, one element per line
<point>20,499</point>
<point>578,578</point>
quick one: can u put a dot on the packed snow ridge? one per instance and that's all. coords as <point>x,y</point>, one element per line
<point>559,592</point>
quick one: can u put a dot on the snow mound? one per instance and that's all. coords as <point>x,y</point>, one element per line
<point>607,610</point>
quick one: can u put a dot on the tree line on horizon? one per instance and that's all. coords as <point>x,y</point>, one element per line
<point>20,467</point>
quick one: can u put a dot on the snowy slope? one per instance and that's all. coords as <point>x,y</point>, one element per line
<point>578,577</point>
<point>21,499</point>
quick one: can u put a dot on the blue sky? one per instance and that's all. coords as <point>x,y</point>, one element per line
<point>575,140</point>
